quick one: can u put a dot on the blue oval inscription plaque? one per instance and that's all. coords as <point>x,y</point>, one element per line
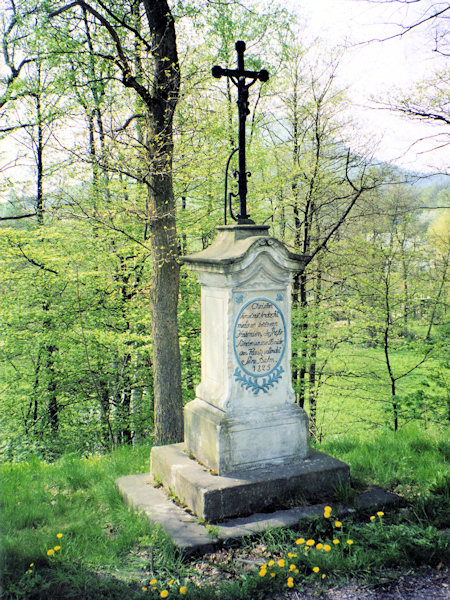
<point>259,337</point>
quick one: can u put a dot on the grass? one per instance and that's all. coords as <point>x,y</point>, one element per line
<point>408,462</point>
<point>356,392</point>
<point>108,551</point>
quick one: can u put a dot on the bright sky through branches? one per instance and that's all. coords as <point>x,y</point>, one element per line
<point>374,69</point>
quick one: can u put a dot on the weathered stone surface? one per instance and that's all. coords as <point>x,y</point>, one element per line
<point>378,497</point>
<point>139,492</point>
<point>229,443</point>
<point>215,498</point>
<point>188,535</point>
<point>232,244</point>
<point>246,447</point>
<point>259,522</point>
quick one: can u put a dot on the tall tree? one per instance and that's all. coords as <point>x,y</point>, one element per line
<point>321,181</point>
<point>393,293</point>
<point>158,91</point>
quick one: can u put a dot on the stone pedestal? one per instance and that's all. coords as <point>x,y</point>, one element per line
<point>244,423</point>
<point>215,498</point>
<point>245,416</point>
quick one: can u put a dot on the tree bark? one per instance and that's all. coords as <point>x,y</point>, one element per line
<point>163,240</point>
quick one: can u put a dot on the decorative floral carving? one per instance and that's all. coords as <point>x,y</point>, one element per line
<point>252,383</point>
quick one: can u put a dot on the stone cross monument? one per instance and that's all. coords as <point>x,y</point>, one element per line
<point>246,441</point>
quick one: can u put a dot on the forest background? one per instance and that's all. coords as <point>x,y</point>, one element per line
<point>113,141</point>
<point>76,232</point>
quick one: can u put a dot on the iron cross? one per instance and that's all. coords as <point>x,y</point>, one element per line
<point>238,77</point>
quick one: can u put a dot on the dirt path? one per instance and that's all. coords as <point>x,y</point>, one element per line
<point>428,584</point>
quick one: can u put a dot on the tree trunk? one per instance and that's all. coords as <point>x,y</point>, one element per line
<point>53,408</point>
<point>164,300</point>
<point>39,161</point>
<point>386,347</point>
<point>437,297</point>
<point>168,404</point>
<point>160,102</point>
<point>314,343</point>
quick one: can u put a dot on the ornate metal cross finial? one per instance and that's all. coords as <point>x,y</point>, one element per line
<point>238,77</point>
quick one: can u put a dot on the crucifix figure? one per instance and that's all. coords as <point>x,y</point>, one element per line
<point>238,77</point>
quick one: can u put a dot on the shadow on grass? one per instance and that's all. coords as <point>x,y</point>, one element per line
<point>66,581</point>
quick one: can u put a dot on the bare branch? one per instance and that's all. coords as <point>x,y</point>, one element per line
<point>127,123</point>
<point>127,77</point>
<point>31,260</point>
<point>15,217</point>
<point>407,28</point>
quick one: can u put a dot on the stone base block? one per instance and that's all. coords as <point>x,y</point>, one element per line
<point>215,498</point>
<point>231,443</point>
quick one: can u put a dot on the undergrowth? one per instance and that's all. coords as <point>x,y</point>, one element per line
<point>67,533</point>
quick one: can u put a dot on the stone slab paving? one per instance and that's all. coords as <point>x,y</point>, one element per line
<point>191,536</point>
<point>139,492</point>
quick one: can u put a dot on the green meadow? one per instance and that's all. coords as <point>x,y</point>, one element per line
<point>67,534</point>
<point>360,399</point>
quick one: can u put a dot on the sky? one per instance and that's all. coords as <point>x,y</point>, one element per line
<point>376,69</point>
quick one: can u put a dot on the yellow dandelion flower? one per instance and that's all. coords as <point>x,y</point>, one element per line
<point>56,548</point>
<point>326,515</point>
<point>323,575</point>
<point>319,546</point>
<point>337,524</point>
<point>328,509</point>
<point>152,581</point>
<point>310,542</point>
<point>296,570</point>
<point>170,582</point>
<point>349,542</point>
<point>372,518</point>
<point>281,562</point>
<point>292,567</point>
<point>380,513</point>
<point>292,555</point>
<point>271,563</point>
<point>272,574</point>
<point>316,569</point>
<point>143,588</point>
<point>164,594</point>
<point>50,552</point>
<point>31,564</point>
<point>300,541</point>
<point>59,535</point>
<point>290,582</point>
<point>183,590</point>
<point>327,547</point>
<point>262,572</point>
<point>336,542</point>
<point>30,571</point>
